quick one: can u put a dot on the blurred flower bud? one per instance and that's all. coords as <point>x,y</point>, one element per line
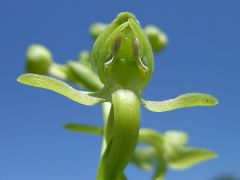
<point>84,58</point>
<point>38,59</point>
<point>96,29</point>
<point>157,38</point>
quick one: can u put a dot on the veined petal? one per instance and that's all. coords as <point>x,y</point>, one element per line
<point>182,101</point>
<point>59,87</point>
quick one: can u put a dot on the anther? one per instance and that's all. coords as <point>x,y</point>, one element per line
<point>137,49</point>
<point>117,44</point>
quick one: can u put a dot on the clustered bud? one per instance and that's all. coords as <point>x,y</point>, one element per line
<point>157,38</point>
<point>96,29</point>
<point>38,59</point>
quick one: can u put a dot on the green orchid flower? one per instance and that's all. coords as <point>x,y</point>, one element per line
<point>122,58</point>
<point>167,151</point>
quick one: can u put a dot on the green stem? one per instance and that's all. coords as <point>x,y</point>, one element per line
<point>121,133</point>
<point>106,108</point>
<point>108,129</point>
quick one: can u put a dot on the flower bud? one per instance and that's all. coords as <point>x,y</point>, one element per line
<point>38,59</point>
<point>122,54</point>
<point>96,29</point>
<point>84,58</point>
<point>157,38</point>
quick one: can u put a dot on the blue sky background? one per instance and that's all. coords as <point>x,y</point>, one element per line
<point>203,56</point>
